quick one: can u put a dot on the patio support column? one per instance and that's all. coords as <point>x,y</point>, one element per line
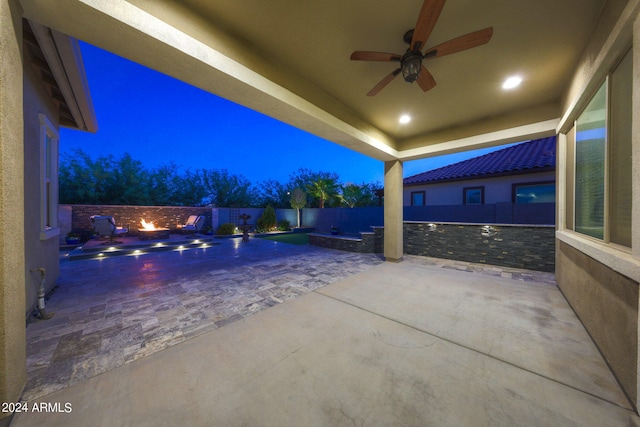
<point>393,244</point>
<point>13,371</point>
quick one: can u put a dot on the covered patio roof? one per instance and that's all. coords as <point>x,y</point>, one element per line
<point>290,60</point>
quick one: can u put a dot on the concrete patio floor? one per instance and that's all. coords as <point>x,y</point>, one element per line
<point>423,342</point>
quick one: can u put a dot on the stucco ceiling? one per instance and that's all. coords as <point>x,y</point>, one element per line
<point>299,52</point>
<point>541,40</point>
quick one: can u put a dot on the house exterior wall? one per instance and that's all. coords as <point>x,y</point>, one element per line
<point>13,371</point>
<point>497,189</point>
<point>600,280</point>
<point>607,304</point>
<point>39,253</point>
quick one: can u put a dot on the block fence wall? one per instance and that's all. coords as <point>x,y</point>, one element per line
<point>127,216</point>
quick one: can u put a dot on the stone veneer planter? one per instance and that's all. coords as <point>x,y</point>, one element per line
<point>362,244</point>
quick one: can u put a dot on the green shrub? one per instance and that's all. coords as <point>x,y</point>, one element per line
<point>284,225</point>
<point>267,221</point>
<point>226,229</point>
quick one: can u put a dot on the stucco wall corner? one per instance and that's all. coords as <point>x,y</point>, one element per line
<point>12,280</point>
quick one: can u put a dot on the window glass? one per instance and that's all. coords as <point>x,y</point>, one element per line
<point>49,142</point>
<point>590,166</point>
<point>536,193</point>
<point>417,198</point>
<point>473,196</point>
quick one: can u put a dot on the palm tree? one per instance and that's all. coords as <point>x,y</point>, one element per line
<point>323,189</point>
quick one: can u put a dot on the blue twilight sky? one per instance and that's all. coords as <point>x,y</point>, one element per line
<point>158,120</point>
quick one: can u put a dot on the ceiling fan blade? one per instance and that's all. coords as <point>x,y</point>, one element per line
<point>427,19</point>
<point>374,56</point>
<point>458,44</point>
<point>377,88</point>
<point>426,80</point>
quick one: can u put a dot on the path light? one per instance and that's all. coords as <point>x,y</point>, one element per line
<point>488,231</point>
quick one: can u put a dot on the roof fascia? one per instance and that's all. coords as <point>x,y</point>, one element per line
<point>62,53</point>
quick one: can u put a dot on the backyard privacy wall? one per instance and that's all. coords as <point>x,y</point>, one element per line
<point>520,246</point>
<point>127,216</point>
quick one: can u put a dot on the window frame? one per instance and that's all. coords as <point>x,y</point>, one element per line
<point>465,191</point>
<point>570,219</point>
<point>49,150</point>
<point>424,198</point>
<point>515,185</point>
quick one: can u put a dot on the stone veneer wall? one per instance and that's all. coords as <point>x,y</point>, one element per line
<point>364,244</point>
<point>518,246</point>
<point>130,216</point>
<point>523,246</point>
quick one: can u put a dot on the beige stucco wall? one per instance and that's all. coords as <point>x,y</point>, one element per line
<point>607,304</point>
<point>38,253</point>
<point>12,265</point>
<point>600,280</point>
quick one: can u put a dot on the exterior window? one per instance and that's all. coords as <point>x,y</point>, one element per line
<point>473,195</point>
<point>49,140</point>
<point>591,132</point>
<point>538,192</point>
<point>417,198</point>
<point>599,149</point>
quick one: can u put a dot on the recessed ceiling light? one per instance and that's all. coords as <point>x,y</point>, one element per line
<point>512,82</point>
<point>404,119</point>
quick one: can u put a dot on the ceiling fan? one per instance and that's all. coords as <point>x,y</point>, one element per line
<point>411,65</point>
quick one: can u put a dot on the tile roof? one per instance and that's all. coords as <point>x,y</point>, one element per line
<point>531,156</point>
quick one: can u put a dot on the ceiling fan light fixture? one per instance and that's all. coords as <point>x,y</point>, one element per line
<point>411,66</point>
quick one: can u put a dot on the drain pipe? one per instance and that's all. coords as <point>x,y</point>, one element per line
<point>42,313</point>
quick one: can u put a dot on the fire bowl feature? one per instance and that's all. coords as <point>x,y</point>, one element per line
<point>150,232</point>
<point>153,234</point>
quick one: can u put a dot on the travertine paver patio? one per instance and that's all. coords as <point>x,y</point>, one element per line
<point>422,342</point>
<point>113,311</point>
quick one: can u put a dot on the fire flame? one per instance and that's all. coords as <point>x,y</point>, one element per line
<point>147,225</point>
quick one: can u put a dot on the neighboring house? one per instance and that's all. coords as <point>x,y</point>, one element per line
<point>517,175</point>
<point>55,94</point>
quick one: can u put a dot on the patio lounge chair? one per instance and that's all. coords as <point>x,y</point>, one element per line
<point>194,224</point>
<point>105,226</point>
